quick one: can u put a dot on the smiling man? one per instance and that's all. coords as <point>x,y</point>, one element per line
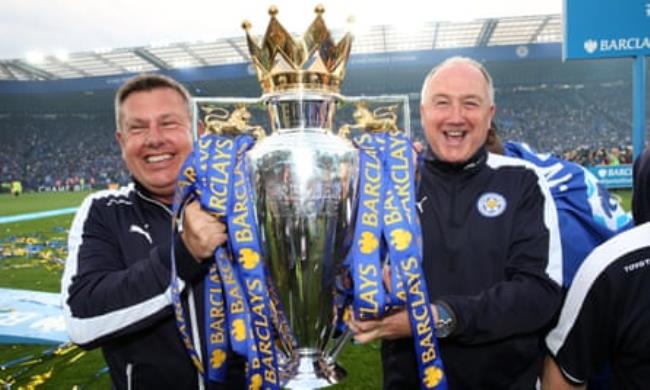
<point>154,136</point>
<point>457,106</point>
<point>491,249</point>
<point>115,286</point>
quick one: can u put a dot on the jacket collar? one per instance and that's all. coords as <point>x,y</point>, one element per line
<point>145,194</point>
<point>471,165</point>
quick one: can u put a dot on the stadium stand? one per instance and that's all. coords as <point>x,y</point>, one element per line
<point>56,127</point>
<point>59,152</point>
<point>589,124</point>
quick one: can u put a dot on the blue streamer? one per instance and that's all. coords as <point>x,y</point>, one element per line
<point>401,232</point>
<point>245,243</point>
<point>366,268</point>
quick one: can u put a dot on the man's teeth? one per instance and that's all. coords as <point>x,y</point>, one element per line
<point>158,158</point>
<point>455,133</point>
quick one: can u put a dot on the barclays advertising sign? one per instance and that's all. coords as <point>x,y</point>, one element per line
<point>613,176</point>
<point>606,28</point>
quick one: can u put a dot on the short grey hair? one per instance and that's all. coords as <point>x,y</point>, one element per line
<point>148,82</point>
<point>458,60</point>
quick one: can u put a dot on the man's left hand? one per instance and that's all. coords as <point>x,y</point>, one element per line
<point>392,326</point>
<point>202,232</point>
<point>395,325</point>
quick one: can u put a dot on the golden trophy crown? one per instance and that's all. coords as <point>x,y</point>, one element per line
<point>312,63</point>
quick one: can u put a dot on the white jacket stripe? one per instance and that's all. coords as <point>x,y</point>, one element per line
<point>554,266</point>
<point>85,330</point>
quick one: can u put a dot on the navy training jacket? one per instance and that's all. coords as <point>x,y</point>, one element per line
<point>116,293</point>
<point>492,254</point>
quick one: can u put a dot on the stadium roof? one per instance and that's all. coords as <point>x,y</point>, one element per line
<point>519,30</point>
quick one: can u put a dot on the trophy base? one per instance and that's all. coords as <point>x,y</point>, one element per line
<point>310,370</point>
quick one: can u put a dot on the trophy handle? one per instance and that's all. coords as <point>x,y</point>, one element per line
<point>219,120</point>
<point>381,119</point>
<point>340,343</point>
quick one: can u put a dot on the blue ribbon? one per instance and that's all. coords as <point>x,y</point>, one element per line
<point>186,186</point>
<point>244,240</point>
<point>216,323</point>
<point>401,232</point>
<point>395,225</point>
<point>214,173</point>
<point>217,157</point>
<point>366,268</point>
<point>240,292</point>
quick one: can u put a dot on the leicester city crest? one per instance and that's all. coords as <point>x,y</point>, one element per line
<point>491,204</point>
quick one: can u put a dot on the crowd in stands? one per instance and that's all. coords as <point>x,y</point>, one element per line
<point>585,156</point>
<point>60,153</point>
<point>587,124</point>
<point>591,125</point>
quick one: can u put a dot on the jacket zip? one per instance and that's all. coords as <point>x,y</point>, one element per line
<point>190,298</point>
<point>151,200</point>
<point>195,330</point>
<point>129,376</point>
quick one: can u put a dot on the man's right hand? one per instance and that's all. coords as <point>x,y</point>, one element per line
<point>202,232</point>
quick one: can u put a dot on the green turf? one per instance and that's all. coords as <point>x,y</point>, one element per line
<point>624,196</point>
<point>43,275</point>
<point>38,201</point>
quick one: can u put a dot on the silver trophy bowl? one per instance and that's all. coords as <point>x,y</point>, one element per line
<point>304,180</point>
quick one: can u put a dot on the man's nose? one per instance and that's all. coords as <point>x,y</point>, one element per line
<point>154,135</point>
<point>457,113</point>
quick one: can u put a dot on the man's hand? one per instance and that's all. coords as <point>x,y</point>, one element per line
<point>418,147</point>
<point>552,378</point>
<point>393,326</point>
<point>202,232</point>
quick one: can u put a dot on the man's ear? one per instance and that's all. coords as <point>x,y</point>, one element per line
<point>491,137</point>
<point>118,136</point>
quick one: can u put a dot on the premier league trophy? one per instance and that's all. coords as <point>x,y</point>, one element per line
<point>292,205</point>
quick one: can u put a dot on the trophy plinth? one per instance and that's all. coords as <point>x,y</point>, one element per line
<point>311,371</point>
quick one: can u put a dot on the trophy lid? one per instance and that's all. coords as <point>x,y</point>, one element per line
<point>312,63</point>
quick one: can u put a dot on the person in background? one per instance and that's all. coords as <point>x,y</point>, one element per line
<point>491,247</point>
<point>16,188</point>
<point>606,314</point>
<point>116,284</point>
<point>588,214</point>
